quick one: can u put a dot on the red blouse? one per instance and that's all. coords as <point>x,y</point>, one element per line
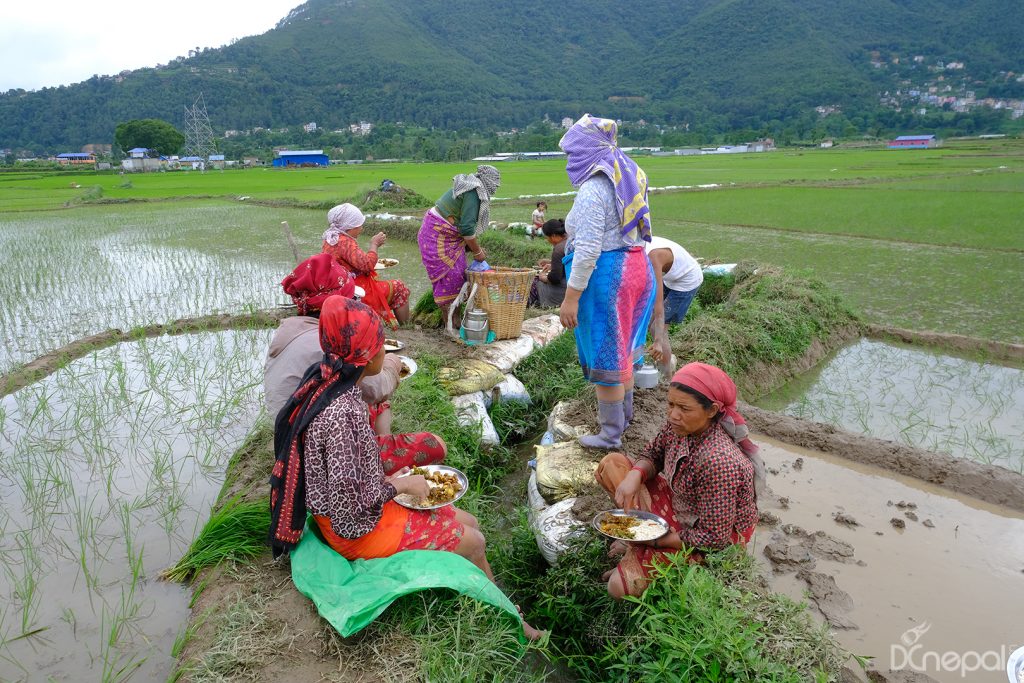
<point>350,256</point>
<point>712,484</point>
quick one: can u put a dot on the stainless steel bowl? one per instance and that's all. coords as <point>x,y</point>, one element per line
<point>463,481</point>
<point>639,514</point>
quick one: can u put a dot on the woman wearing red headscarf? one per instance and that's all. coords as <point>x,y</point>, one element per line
<point>701,473</point>
<point>328,460</point>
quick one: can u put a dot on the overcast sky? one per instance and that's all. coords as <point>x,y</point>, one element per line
<point>58,42</point>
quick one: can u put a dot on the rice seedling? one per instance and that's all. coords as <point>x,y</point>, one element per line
<point>946,404</point>
<point>111,476</point>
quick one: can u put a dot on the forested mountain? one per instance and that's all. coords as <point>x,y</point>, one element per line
<point>711,64</point>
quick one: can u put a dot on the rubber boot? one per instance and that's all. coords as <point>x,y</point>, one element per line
<point>627,409</point>
<point>612,424</point>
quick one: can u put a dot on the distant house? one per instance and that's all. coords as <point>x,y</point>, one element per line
<point>217,160</point>
<point>286,158</point>
<point>142,159</point>
<point>913,142</point>
<point>76,159</point>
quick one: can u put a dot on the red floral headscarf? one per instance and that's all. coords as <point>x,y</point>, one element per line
<point>714,383</point>
<point>718,387</point>
<point>350,330</point>
<point>315,279</point>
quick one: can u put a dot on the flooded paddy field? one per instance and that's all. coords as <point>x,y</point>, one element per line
<point>107,471</point>
<point>72,274</point>
<point>942,403</point>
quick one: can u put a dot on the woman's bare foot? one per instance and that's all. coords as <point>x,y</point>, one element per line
<point>617,549</point>
<point>531,633</point>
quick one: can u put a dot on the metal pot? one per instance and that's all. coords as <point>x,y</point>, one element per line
<point>476,325</point>
<point>646,377</point>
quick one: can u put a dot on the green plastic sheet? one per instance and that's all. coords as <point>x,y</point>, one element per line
<point>350,595</point>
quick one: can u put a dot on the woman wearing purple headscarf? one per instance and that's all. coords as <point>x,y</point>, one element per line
<point>610,293</point>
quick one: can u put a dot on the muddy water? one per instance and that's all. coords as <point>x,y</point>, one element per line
<point>963,580</point>
<point>107,471</point>
<point>937,402</point>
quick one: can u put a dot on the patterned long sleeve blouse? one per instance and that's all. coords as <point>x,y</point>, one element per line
<point>712,485</point>
<point>350,256</point>
<point>344,475</point>
<point>593,226</point>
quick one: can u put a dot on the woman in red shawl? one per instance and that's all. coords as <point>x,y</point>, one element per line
<point>389,298</point>
<point>701,473</point>
<point>328,460</point>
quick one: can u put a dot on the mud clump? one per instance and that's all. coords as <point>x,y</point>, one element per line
<point>898,523</point>
<point>768,519</point>
<point>787,557</point>
<point>798,464</point>
<point>832,600</point>
<point>588,505</point>
<point>845,520</point>
<point>912,516</point>
<point>928,523</point>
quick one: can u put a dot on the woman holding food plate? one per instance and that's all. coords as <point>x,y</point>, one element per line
<point>389,298</point>
<point>328,460</point>
<point>701,474</point>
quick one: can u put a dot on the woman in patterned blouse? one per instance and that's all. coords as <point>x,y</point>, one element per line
<point>389,298</point>
<point>701,473</point>
<point>328,460</point>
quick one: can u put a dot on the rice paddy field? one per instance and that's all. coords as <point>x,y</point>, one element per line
<point>109,465</point>
<point>918,397</point>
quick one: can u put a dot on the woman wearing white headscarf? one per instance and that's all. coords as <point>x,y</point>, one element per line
<point>388,298</point>
<point>451,227</point>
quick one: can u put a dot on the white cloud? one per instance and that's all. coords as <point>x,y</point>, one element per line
<point>58,42</point>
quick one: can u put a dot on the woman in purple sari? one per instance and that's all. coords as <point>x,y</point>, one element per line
<point>451,227</point>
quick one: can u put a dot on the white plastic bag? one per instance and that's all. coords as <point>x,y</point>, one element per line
<point>510,391</point>
<point>543,329</point>
<point>470,411</point>
<point>553,527</point>
<point>507,353</point>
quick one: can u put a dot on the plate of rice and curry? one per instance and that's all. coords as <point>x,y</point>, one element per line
<point>447,485</point>
<point>409,368</point>
<point>634,526</point>
<point>393,345</point>
<point>383,263</point>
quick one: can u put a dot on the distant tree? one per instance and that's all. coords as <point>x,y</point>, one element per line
<point>149,133</point>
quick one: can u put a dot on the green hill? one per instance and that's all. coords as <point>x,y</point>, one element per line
<point>714,64</point>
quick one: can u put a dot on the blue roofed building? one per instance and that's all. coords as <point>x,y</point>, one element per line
<point>286,158</point>
<point>76,158</point>
<point>914,142</point>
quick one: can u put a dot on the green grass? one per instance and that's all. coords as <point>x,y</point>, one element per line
<point>236,531</point>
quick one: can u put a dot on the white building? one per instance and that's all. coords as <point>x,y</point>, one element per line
<point>309,127</point>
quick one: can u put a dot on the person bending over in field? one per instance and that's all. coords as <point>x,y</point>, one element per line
<point>295,347</point>
<point>677,277</point>
<point>328,460</point>
<point>388,298</point>
<point>700,473</point>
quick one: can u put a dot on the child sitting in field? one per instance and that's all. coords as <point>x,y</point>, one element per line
<point>538,220</point>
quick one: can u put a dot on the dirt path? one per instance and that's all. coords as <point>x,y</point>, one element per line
<point>50,362</point>
<point>988,349</point>
<point>957,564</point>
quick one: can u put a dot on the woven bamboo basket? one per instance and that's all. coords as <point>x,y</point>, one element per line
<point>503,293</point>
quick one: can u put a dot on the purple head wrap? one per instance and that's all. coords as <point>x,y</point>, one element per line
<point>591,147</point>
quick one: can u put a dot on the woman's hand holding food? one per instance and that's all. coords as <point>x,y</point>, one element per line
<point>626,492</point>
<point>377,240</point>
<point>415,485</point>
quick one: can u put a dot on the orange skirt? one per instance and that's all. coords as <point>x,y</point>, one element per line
<point>399,529</point>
